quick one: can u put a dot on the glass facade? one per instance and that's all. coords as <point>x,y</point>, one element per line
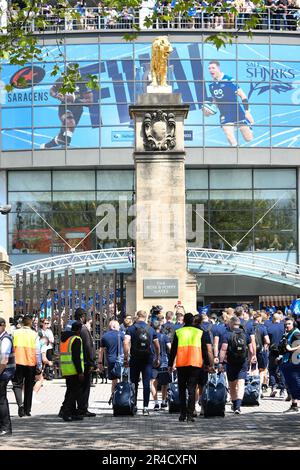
<point>250,209</point>
<point>34,117</point>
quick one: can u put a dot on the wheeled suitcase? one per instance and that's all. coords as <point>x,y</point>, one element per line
<point>123,398</point>
<point>214,395</point>
<point>173,396</point>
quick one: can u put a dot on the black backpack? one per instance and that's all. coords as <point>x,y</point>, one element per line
<point>169,331</point>
<point>258,339</point>
<point>141,345</point>
<point>237,347</point>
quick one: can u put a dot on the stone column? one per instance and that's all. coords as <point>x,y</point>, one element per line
<point>161,275</point>
<point>6,288</point>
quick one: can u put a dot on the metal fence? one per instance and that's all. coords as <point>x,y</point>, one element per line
<point>197,18</point>
<point>56,296</point>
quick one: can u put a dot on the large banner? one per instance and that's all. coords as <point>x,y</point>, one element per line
<point>244,95</point>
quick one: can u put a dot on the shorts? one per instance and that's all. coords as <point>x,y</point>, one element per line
<point>236,371</point>
<point>262,359</point>
<point>74,112</point>
<point>162,375</point>
<point>110,375</point>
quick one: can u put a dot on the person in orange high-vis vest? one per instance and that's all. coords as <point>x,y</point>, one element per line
<point>187,348</point>
<point>28,360</point>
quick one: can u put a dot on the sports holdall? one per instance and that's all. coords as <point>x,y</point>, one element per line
<point>252,388</point>
<point>123,398</point>
<point>214,395</point>
<point>173,396</point>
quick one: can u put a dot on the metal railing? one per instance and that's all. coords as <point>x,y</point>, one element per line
<point>94,20</point>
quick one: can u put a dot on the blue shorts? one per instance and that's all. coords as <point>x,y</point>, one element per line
<point>262,359</point>
<point>236,371</point>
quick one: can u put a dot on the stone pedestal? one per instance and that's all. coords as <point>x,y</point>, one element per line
<point>161,275</point>
<point>6,288</point>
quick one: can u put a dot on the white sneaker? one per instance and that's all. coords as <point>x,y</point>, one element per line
<point>42,146</point>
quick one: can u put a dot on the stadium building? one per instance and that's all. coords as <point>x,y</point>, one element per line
<point>63,160</point>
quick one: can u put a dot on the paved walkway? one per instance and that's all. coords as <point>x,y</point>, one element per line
<point>258,427</point>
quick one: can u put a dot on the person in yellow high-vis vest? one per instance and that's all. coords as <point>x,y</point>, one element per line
<point>28,360</point>
<point>72,368</point>
<point>187,349</point>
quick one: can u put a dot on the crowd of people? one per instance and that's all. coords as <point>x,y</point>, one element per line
<point>158,347</point>
<point>277,14</point>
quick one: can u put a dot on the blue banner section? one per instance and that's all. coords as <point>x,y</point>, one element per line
<point>244,95</point>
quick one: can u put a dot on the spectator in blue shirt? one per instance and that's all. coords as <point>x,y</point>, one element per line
<point>112,345</point>
<point>161,375</point>
<point>275,332</point>
<point>262,340</point>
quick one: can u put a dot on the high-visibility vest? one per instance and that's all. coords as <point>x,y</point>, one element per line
<point>24,341</point>
<point>66,363</point>
<point>10,368</point>
<point>189,351</point>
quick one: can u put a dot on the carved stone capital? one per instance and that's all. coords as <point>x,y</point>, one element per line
<point>159,131</point>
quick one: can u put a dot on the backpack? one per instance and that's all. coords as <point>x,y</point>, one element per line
<point>169,331</point>
<point>237,347</point>
<point>141,345</point>
<point>258,339</point>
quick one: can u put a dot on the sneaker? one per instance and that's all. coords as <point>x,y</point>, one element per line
<point>146,412</point>
<point>21,411</point>
<point>88,414</point>
<point>164,405</point>
<point>288,398</point>
<point>182,418</point>
<point>5,433</point>
<point>156,407</point>
<point>273,394</point>
<point>262,395</point>
<point>191,419</point>
<point>292,409</point>
<point>237,412</point>
<point>27,413</point>
<point>282,393</point>
<point>264,387</point>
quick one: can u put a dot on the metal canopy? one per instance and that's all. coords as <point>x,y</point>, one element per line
<point>200,260</point>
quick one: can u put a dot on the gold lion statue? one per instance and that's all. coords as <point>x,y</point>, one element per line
<point>161,48</point>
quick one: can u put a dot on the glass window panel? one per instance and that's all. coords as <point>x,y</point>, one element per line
<point>115,114</point>
<point>115,92</point>
<point>186,50</point>
<point>27,220</point>
<point>284,52</point>
<point>231,199</point>
<point>285,115</point>
<point>193,136</point>
<point>116,51</point>
<point>253,71</point>
<point>19,117</point>
<point>30,241</point>
<point>227,67</point>
<point>29,181</point>
<point>86,137</point>
<point>116,137</point>
<point>143,50</point>
<point>264,199</point>
<point>260,137</point>
<point>272,241</point>
<point>196,179</point>
<point>74,226</point>
<point>231,220</point>
<point>212,53</point>
<point>65,180</point>
<point>275,178</point>
<point>277,220</point>
<point>114,196</point>
<point>41,201</point>
<point>82,52</point>
<point>42,96</point>
<point>257,93</point>
<point>16,139</point>
<point>45,136</point>
<point>48,68</point>
<point>78,201</point>
<point>253,52</point>
<point>214,136</point>
<point>230,179</point>
<point>286,137</point>
<point>45,116</point>
<point>115,180</point>
<point>285,72</point>
<point>53,53</point>
<point>117,70</point>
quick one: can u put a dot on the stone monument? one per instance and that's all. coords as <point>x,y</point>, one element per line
<point>6,288</point>
<point>161,275</point>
